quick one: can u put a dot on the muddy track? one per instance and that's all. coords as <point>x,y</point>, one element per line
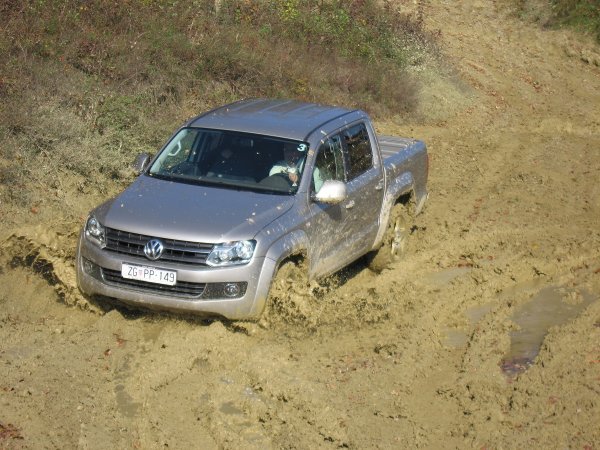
<point>419,355</point>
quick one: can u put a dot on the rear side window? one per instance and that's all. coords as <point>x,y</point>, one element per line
<point>358,146</point>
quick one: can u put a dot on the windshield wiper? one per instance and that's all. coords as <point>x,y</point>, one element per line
<point>225,183</point>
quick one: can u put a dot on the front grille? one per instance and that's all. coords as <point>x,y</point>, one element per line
<point>182,289</point>
<point>183,252</point>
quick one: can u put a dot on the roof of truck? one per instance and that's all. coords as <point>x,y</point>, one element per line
<point>282,118</point>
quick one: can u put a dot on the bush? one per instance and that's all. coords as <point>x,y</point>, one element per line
<point>581,14</point>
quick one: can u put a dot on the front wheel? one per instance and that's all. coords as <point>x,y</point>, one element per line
<point>289,296</point>
<point>395,238</point>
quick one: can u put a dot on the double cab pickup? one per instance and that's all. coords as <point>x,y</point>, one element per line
<point>241,190</point>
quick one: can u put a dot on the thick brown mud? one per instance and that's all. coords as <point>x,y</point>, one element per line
<point>420,355</point>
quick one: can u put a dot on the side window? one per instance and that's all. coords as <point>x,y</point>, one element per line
<point>358,146</point>
<point>329,164</point>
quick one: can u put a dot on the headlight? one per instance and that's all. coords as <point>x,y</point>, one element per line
<point>94,231</point>
<point>231,253</point>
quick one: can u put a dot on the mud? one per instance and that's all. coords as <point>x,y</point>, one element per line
<point>411,357</point>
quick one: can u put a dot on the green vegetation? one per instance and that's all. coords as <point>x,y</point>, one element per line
<point>582,15</point>
<point>87,85</point>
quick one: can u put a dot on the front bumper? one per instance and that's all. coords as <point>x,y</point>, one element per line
<point>198,289</point>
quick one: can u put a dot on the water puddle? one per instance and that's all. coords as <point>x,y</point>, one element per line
<point>475,313</point>
<point>550,307</point>
<point>229,408</point>
<point>455,338</point>
<point>18,353</point>
<point>519,288</point>
<point>445,276</point>
<point>458,338</point>
<point>125,402</point>
<point>151,332</point>
<point>237,421</point>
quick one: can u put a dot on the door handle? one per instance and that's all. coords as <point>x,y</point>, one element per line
<point>379,185</point>
<point>350,204</point>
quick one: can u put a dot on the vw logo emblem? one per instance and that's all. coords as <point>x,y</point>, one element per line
<point>153,249</point>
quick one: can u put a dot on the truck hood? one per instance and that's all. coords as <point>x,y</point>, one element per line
<point>173,210</point>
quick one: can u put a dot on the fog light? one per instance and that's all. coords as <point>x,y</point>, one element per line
<point>88,266</point>
<point>232,290</point>
<point>228,290</point>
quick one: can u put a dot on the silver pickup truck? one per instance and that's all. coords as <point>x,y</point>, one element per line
<point>241,190</point>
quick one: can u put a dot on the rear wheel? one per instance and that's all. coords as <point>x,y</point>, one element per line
<point>395,239</point>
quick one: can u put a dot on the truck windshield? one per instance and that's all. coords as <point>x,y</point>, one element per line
<point>232,159</point>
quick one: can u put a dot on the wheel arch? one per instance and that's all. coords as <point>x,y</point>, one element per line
<point>399,194</point>
<point>291,247</point>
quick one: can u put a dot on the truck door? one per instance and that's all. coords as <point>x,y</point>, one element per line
<point>328,223</point>
<point>365,185</point>
<point>343,232</point>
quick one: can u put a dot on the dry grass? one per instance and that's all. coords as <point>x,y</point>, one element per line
<point>85,86</point>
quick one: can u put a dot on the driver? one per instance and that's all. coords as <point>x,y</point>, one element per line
<point>292,163</point>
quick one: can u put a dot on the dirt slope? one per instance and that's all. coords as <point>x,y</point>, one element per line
<point>417,356</point>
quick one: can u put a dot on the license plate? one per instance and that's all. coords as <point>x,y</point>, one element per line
<point>149,274</point>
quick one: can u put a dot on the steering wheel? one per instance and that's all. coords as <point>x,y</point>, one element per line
<point>279,181</point>
<point>183,168</point>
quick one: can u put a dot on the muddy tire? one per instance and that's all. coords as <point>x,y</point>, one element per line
<point>393,245</point>
<point>289,297</point>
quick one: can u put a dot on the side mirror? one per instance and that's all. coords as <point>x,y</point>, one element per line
<point>141,162</point>
<point>332,192</point>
